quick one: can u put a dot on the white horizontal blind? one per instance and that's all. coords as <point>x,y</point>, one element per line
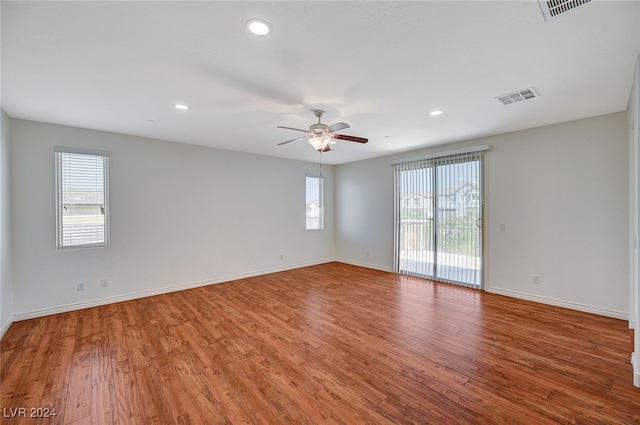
<point>82,201</point>
<point>439,218</point>
<point>314,203</point>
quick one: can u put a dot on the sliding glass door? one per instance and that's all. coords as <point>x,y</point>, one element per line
<point>439,218</point>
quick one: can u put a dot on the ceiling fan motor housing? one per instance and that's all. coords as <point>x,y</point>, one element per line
<point>318,128</point>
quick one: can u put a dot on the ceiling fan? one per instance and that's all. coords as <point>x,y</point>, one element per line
<point>321,135</point>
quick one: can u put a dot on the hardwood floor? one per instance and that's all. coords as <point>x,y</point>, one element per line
<point>329,344</point>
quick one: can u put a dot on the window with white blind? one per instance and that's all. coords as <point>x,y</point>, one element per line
<point>82,198</point>
<point>314,203</point>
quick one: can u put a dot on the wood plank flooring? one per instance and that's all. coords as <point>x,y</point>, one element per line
<point>329,344</point>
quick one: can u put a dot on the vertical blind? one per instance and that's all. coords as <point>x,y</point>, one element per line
<point>439,218</point>
<point>82,182</point>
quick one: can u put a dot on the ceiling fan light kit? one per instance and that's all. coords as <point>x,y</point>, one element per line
<point>320,135</point>
<point>319,143</point>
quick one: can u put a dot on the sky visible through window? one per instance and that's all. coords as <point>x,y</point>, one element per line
<point>450,178</point>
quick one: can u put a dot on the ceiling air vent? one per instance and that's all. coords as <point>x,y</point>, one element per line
<point>553,8</point>
<point>518,96</point>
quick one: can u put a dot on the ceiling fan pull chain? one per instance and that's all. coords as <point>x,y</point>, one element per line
<point>320,163</point>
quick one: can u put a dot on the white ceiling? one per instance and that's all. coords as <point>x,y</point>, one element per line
<point>379,66</point>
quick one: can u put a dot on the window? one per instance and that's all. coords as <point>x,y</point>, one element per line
<point>314,213</point>
<point>82,198</point>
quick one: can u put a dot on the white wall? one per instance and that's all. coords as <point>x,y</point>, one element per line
<point>364,213</point>
<point>561,191</point>
<point>181,216</point>
<point>6,279</point>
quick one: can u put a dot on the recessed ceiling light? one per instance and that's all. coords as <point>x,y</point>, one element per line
<point>181,106</point>
<point>258,27</point>
<point>435,113</point>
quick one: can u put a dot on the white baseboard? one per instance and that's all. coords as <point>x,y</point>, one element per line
<point>5,326</point>
<point>560,303</point>
<point>157,291</point>
<point>362,264</point>
<point>635,364</point>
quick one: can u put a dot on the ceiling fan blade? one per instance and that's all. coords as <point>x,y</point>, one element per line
<point>291,128</point>
<point>337,127</point>
<point>293,140</point>
<point>350,138</point>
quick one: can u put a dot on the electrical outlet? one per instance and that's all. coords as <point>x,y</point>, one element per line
<point>80,286</point>
<point>536,280</point>
<point>104,283</point>
<point>503,227</point>
<point>367,254</point>
<point>281,257</point>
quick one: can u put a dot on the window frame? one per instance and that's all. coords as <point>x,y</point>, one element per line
<point>320,179</point>
<point>59,151</point>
